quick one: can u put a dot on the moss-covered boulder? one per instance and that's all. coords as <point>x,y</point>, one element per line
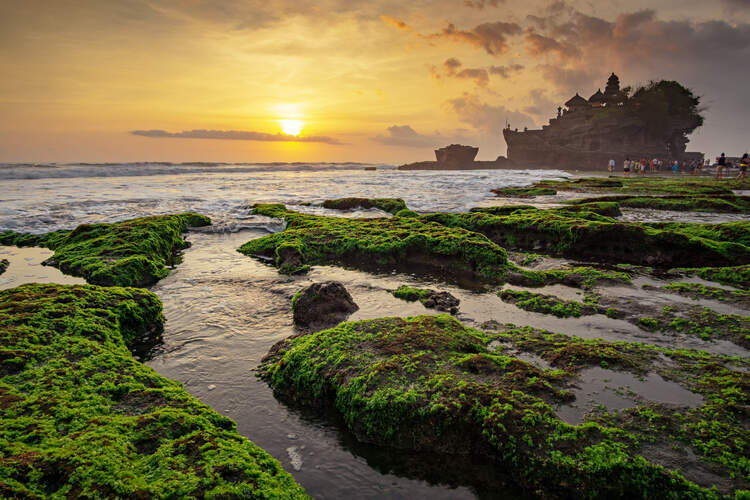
<point>524,192</point>
<point>586,235</point>
<point>549,304</point>
<point>390,205</point>
<point>442,301</point>
<point>406,244</point>
<point>3,265</point>
<point>81,418</point>
<point>718,203</point>
<point>689,186</point>
<point>134,252</point>
<point>429,384</point>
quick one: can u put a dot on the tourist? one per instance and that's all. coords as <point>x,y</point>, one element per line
<point>611,167</point>
<point>743,167</point>
<point>626,166</point>
<point>721,163</point>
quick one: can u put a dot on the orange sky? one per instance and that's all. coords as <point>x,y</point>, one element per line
<point>381,81</point>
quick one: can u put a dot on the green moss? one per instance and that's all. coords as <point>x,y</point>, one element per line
<point>648,323</point>
<point>429,384</point>
<point>402,243</point>
<point>718,203</point>
<point>698,291</point>
<point>738,276</point>
<point>82,419</point>
<point>406,213</point>
<point>410,294</point>
<point>662,185</point>
<point>581,277</point>
<point>135,252</point>
<point>390,205</point>
<point>3,265</point>
<point>503,210</point>
<point>523,192</point>
<point>586,235</point>
<point>547,304</point>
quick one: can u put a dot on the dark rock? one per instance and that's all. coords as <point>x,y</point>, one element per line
<point>322,305</point>
<point>442,301</point>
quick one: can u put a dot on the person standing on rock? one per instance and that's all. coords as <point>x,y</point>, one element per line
<point>722,162</point>
<point>743,167</point>
<point>611,165</point>
<point>626,166</point>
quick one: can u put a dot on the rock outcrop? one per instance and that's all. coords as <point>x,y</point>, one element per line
<point>322,305</point>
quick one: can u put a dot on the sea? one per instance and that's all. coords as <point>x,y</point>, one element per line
<point>224,310</point>
<point>43,197</point>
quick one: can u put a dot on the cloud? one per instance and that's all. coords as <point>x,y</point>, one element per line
<point>392,21</point>
<point>492,37</point>
<point>541,106</point>
<point>404,135</point>
<point>481,76</point>
<point>505,71</point>
<point>480,4</point>
<point>233,135</point>
<point>487,118</point>
<point>737,4</point>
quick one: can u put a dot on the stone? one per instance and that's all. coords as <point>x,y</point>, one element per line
<point>322,305</point>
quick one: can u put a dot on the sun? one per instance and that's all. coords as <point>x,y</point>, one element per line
<point>291,127</point>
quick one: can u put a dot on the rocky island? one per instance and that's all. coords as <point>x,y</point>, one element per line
<point>653,122</point>
<point>457,157</point>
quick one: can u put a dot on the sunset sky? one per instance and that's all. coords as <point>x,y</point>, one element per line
<point>377,80</point>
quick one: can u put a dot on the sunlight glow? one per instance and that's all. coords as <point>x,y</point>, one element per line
<point>291,127</point>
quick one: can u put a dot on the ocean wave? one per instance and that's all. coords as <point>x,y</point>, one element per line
<point>22,171</point>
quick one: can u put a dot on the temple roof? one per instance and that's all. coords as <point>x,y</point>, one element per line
<point>576,101</point>
<point>597,97</point>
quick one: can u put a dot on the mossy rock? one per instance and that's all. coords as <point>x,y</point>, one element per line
<point>737,276</point>
<point>548,304</point>
<point>587,235</point>
<point>390,205</point>
<point>3,265</point>
<point>81,418</point>
<point>524,192</point>
<point>430,385</point>
<point>652,185</point>
<point>405,244</point>
<point>717,203</point>
<point>134,252</point>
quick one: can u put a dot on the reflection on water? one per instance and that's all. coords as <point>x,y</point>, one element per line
<point>26,267</point>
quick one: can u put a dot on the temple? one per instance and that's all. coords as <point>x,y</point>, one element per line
<point>590,132</point>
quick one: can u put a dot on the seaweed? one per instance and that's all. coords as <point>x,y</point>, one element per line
<point>134,252</point>
<point>399,242</point>
<point>81,418</point>
<point>431,385</point>
<point>390,205</point>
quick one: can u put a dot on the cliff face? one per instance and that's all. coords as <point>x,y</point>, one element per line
<point>456,154</point>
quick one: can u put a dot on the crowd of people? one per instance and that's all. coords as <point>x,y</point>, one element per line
<point>694,167</point>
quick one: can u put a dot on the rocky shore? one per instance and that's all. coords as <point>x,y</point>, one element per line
<point>659,410</point>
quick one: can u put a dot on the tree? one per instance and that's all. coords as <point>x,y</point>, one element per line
<point>668,112</point>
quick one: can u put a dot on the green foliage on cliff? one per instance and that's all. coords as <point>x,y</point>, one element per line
<point>82,419</point>
<point>402,243</point>
<point>390,205</point>
<point>134,252</point>
<point>429,384</point>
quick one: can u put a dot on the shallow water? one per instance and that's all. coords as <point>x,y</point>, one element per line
<point>26,267</point>
<point>617,390</point>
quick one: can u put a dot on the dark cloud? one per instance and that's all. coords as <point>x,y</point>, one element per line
<point>405,136</point>
<point>480,4</point>
<point>481,76</point>
<point>538,45</point>
<point>737,4</point>
<point>541,105</point>
<point>505,71</point>
<point>232,135</point>
<point>487,118</point>
<point>492,37</point>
